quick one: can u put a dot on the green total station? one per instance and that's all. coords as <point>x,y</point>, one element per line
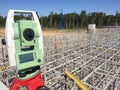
<point>24,42</point>
<point>28,55</point>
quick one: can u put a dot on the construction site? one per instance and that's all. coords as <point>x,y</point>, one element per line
<point>92,57</point>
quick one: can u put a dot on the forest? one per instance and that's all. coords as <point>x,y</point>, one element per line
<point>75,20</point>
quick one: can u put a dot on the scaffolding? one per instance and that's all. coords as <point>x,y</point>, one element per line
<point>93,58</point>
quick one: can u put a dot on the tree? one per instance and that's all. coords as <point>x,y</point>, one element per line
<point>83,18</point>
<point>73,20</point>
<point>2,21</point>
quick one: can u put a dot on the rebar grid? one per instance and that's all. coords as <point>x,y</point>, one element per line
<point>93,58</point>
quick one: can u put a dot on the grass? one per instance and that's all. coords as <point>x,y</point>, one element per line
<point>48,31</point>
<point>2,31</point>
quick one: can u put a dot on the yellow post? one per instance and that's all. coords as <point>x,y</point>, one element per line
<point>77,81</point>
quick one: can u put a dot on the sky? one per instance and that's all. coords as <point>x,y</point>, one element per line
<point>43,7</point>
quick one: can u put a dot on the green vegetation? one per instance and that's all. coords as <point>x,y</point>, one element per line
<point>2,21</point>
<point>75,20</point>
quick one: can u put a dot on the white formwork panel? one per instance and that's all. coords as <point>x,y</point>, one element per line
<point>3,87</point>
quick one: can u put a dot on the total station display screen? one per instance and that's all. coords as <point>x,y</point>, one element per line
<point>26,57</point>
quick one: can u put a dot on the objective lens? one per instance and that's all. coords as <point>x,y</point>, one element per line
<point>28,34</point>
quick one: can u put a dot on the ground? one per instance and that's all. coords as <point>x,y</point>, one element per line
<point>2,31</point>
